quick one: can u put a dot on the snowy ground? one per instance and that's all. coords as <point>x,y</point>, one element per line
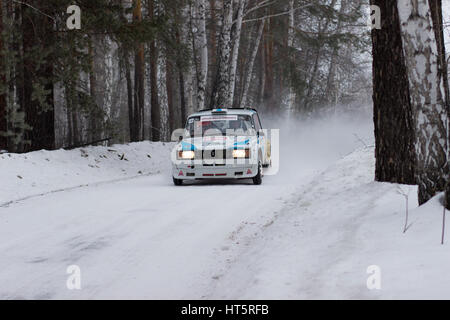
<point>41,172</point>
<point>309,232</point>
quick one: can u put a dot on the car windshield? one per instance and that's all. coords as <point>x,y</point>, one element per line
<point>219,125</point>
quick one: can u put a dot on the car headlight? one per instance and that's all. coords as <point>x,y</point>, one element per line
<point>186,155</point>
<point>241,153</point>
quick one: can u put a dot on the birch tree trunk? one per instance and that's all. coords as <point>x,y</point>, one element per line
<point>236,45</point>
<point>331,94</point>
<point>220,97</point>
<point>93,135</point>
<point>251,64</point>
<point>162,90</point>
<point>268,94</point>
<point>290,44</point>
<point>203,47</point>
<point>427,96</point>
<point>155,108</point>
<point>436,13</point>
<point>170,95</point>
<point>186,77</point>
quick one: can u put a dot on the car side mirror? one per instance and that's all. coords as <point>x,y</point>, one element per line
<point>177,135</point>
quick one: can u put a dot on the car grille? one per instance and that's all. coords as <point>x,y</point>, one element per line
<point>218,154</point>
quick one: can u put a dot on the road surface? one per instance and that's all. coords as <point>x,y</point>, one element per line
<point>145,238</point>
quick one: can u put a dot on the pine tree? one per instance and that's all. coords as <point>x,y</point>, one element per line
<point>394,131</point>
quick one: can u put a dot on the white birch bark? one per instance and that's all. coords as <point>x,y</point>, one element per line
<point>189,80</point>
<point>235,53</point>
<point>290,44</point>
<point>331,92</point>
<point>426,94</point>
<point>251,64</point>
<point>203,48</point>
<point>162,93</point>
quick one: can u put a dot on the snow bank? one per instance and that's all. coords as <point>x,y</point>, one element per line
<point>321,245</point>
<point>35,173</point>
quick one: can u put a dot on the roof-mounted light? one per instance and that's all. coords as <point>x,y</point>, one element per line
<point>219,111</point>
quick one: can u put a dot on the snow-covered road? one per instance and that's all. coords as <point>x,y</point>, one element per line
<point>142,238</point>
<point>308,232</point>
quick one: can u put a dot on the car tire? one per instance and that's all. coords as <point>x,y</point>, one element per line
<point>257,180</point>
<point>177,182</point>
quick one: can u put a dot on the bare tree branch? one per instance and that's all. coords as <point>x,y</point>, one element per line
<point>278,14</point>
<point>36,9</point>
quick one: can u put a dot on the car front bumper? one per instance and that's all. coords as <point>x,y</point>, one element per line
<point>227,171</point>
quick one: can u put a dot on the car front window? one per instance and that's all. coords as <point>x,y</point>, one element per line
<point>220,125</point>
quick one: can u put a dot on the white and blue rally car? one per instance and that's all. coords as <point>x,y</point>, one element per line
<point>222,144</point>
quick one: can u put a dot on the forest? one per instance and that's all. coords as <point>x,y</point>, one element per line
<point>135,69</point>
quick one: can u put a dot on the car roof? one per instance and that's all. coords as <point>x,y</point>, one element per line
<point>238,111</point>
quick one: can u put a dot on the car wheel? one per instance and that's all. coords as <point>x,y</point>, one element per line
<point>257,180</point>
<point>177,182</point>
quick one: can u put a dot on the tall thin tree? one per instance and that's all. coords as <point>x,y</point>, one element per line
<point>3,87</point>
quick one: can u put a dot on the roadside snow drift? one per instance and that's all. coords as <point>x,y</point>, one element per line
<point>326,240</point>
<point>25,175</point>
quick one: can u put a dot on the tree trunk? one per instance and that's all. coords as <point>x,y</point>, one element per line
<point>183,115</point>
<point>262,71</point>
<point>131,120</point>
<point>69,124</point>
<point>181,83</point>
<point>169,89</point>
<point>37,30</point>
<point>125,60</point>
<point>331,94</point>
<point>251,64</point>
<point>312,80</point>
<point>139,93</point>
<point>235,53</point>
<point>3,88</point>
<point>427,97</point>
<point>290,45</point>
<point>203,46</point>
<point>436,14</point>
<point>394,131</point>
<point>220,97</point>
<point>268,96</point>
<point>155,108</point>
<point>93,119</point>
<point>213,33</point>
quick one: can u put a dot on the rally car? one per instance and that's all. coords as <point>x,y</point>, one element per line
<point>222,144</point>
